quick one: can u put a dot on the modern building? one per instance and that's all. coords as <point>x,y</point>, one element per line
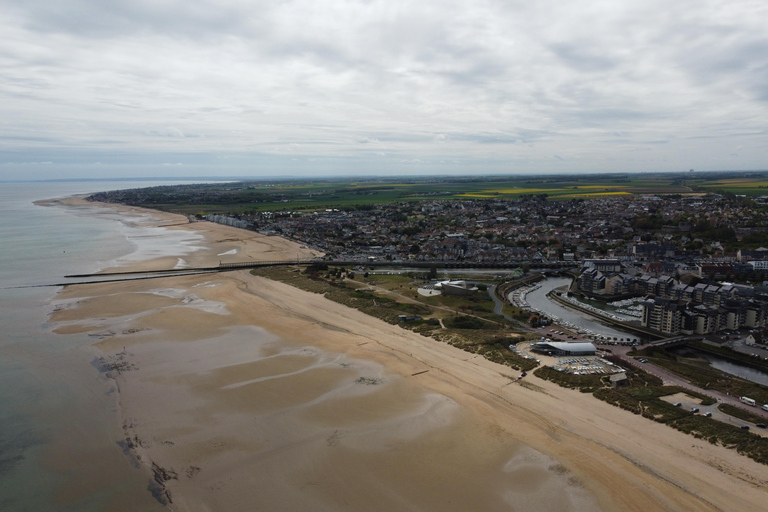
<point>670,316</point>
<point>558,348</point>
<point>456,288</point>
<point>663,315</point>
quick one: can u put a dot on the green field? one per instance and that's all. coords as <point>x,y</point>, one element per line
<point>746,185</point>
<point>317,194</point>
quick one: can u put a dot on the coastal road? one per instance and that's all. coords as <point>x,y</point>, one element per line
<point>497,308</point>
<point>671,379</point>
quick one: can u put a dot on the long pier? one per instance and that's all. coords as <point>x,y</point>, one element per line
<point>223,267</point>
<point>108,277</point>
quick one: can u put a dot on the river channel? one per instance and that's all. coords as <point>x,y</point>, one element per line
<point>538,299</point>
<point>726,366</point>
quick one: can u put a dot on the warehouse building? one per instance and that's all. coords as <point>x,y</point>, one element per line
<point>557,348</point>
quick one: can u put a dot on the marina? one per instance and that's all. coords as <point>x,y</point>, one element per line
<point>534,298</point>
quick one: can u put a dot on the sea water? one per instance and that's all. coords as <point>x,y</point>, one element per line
<point>59,423</point>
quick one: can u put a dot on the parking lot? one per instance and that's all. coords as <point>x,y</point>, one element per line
<point>591,365</point>
<point>693,404</point>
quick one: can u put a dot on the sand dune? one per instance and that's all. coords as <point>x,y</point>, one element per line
<point>246,394</point>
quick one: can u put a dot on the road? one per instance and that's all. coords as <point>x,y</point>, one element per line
<point>671,379</point>
<point>498,304</point>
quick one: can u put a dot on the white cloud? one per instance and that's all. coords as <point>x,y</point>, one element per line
<point>498,84</point>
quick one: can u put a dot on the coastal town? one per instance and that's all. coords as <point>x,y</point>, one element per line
<point>698,260</point>
<point>694,230</point>
<point>652,272</point>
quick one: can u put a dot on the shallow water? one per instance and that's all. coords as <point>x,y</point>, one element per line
<point>60,432</point>
<point>58,421</point>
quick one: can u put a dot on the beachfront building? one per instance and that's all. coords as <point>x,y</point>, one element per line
<point>456,288</point>
<point>229,221</point>
<point>558,348</point>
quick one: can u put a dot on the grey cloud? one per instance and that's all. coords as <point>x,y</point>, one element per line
<point>109,19</point>
<point>505,84</point>
<point>743,65</point>
<point>499,138</point>
<point>584,58</point>
<point>27,138</point>
<point>607,116</point>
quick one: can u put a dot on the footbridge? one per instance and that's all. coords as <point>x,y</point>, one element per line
<point>670,342</point>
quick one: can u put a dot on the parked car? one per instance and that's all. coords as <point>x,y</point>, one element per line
<point>745,427</point>
<point>760,425</point>
<point>708,414</point>
<point>694,409</point>
<point>678,404</point>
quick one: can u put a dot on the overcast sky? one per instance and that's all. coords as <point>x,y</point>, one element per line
<point>92,88</point>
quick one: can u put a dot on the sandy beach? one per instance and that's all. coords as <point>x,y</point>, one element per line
<point>241,393</point>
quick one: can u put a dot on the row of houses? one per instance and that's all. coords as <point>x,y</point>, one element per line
<point>229,221</point>
<point>679,316</point>
<point>603,277</point>
<point>673,307</point>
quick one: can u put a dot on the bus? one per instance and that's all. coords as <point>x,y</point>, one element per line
<point>748,401</point>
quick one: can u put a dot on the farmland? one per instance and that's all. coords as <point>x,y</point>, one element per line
<point>318,194</point>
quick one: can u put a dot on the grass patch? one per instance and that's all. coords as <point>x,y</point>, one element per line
<point>497,350</point>
<point>738,412</point>
<point>466,322</point>
<point>729,353</point>
<point>700,374</point>
<point>584,383</point>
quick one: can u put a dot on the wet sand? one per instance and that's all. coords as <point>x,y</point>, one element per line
<point>240,393</point>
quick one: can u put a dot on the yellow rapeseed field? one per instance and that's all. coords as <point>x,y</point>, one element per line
<point>600,186</point>
<point>592,194</point>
